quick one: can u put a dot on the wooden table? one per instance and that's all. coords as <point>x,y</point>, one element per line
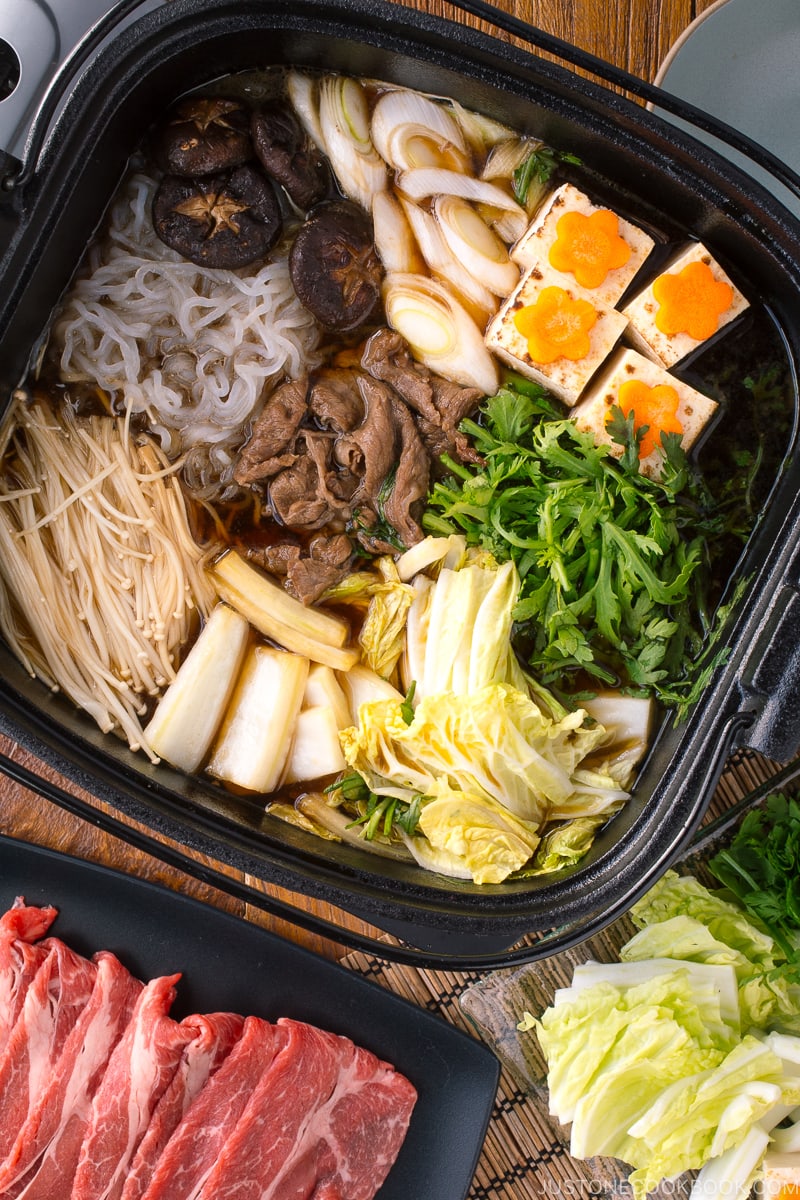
<point>634,34</point>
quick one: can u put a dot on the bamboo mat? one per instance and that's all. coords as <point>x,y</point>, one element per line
<point>525,1155</point>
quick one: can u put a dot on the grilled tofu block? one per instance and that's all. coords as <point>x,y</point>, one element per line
<point>594,247</point>
<point>658,399</point>
<point>781,1176</point>
<point>583,332</point>
<point>686,305</point>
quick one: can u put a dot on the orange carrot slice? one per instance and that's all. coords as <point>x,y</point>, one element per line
<point>691,302</point>
<point>589,246</point>
<point>556,326</point>
<point>656,407</point>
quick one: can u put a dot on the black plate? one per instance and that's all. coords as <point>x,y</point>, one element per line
<point>228,964</point>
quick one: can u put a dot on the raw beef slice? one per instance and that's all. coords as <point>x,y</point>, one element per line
<point>20,958</point>
<point>190,1154</point>
<point>140,1069</point>
<point>325,1115</point>
<point>55,997</point>
<point>202,1056</point>
<point>42,1162</point>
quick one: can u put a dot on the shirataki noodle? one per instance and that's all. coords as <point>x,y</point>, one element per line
<point>191,347</point>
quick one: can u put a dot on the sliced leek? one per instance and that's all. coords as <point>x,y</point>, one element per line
<point>304,96</point>
<point>323,688</point>
<point>475,246</point>
<point>442,260</point>
<point>507,157</point>
<point>256,734</point>
<point>394,240</point>
<point>315,751</point>
<point>442,334</point>
<point>410,130</point>
<point>318,635</point>
<point>189,713</point>
<point>345,125</point>
<point>423,182</point>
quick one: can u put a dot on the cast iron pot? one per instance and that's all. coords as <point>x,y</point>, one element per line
<point>60,171</point>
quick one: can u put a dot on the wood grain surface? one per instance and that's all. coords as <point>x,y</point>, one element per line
<point>633,34</point>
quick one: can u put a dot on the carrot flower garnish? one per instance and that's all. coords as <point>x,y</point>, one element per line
<point>589,246</point>
<point>556,326</point>
<point>656,407</point>
<point>691,302</point>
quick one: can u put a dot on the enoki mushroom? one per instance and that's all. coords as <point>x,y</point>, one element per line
<point>101,581</point>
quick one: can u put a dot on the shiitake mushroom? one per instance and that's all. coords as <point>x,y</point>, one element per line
<point>334,267</point>
<point>289,156</point>
<point>204,135</point>
<point>226,220</point>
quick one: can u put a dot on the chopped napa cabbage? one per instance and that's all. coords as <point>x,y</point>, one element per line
<point>495,741</point>
<point>382,635</point>
<point>653,1073</point>
<point>680,918</point>
<point>650,1032</point>
<point>675,895</point>
<point>564,845</point>
<point>468,630</point>
<point>699,1118</point>
<point>387,600</point>
<point>478,833</point>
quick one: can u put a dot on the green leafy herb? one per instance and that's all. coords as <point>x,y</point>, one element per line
<point>377,814</point>
<point>613,565</point>
<point>407,707</point>
<point>761,866</point>
<point>537,168</point>
<point>380,529</point>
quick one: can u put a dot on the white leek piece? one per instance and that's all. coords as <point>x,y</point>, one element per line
<point>442,334</point>
<point>412,664</point>
<point>308,631</point>
<point>394,240</point>
<point>190,711</point>
<point>786,1139</point>
<point>361,685</point>
<point>302,92</point>
<point>442,260</point>
<point>323,688</point>
<point>256,735</point>
<point>480,131</point>
<point>424,182</point>
<point>345,124</point>
<point>315,751</point>
<point>475,246</point>
<point>428,551</point>
<point>410,130</point>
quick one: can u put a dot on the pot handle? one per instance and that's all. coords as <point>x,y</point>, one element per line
<point>43,45</point>
<point>584,60</point>
<point>771,678</point>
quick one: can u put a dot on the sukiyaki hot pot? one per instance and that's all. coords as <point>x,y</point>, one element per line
<point>399,493</point>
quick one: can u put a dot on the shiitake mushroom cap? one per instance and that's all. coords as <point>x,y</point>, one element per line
<point>334,267</point>
<point>289,156</point>
<point>203,135</point>
<point>227,220</point>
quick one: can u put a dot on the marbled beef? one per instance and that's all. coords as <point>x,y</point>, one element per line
<point>216,1035</point>
<point>140,1069</point>
<point>41,1164</point>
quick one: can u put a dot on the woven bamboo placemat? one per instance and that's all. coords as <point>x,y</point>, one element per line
<point>525,1155</point>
